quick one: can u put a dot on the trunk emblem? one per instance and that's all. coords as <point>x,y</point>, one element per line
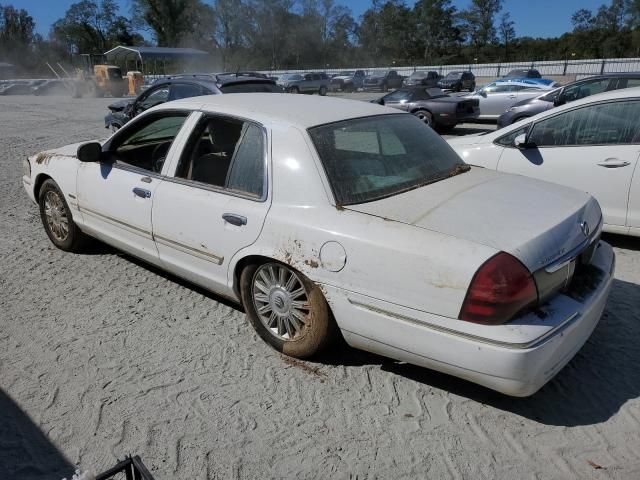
<point>584,226</point>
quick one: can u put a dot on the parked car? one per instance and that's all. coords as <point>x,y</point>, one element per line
<point>523,73</point>
<point>432,106</point>
<point>305,83</point>
<point>348,81</point>
<point>568,93</point>
<point>244,74</point>
<point>590,144</point>
<point>51,87</point>
<point>423,78</point>
<point>497,97</point>
<point>458,81</point>
<point>356,219</point>
<point>383,81</point>
<point>20,87</point>
<point>183,86</point>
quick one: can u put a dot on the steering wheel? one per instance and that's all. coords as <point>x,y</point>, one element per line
<point>159,155</point>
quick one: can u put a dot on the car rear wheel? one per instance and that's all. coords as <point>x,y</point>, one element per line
<point>425,116</point>
<point>294,90</point>
<point>349,88</point>
<point>322,91</point>
<point>286,309</point>
<point>56,219</point>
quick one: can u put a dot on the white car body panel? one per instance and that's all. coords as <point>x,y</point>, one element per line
<point>395,272</point>
<point>580,167</point>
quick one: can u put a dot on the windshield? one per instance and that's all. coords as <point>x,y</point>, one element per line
<point>418,75</point>
<point>453,75</point>
<point>397,96</point>
<point>346,74</point>
<point>371,158</point>
<point>291,76</point>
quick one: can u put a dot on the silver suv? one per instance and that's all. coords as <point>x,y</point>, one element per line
<point>305,83</point>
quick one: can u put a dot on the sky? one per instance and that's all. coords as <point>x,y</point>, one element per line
<point>540,18</point>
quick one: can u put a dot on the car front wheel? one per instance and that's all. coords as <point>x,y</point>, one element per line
<point>322,91</point>
<point>286,309</point>
<point>56,219</point>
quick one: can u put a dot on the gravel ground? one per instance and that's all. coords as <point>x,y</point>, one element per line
<point>102,356</point>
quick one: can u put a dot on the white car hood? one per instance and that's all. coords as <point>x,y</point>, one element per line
<point>535,221</point>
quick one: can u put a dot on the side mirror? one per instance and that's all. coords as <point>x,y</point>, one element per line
<point>559,100</point>
<point>482,93</point>
<point>521,142</point>
<point>89,152</point>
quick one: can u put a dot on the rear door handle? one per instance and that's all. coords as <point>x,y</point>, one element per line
<point>141,192</point>
<point>614,163</point>
<point>234,219</point>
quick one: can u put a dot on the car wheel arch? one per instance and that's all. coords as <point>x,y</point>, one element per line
<point>37,185</point>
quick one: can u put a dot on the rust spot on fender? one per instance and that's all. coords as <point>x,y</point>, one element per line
<point>311,263</point>
<point>44,157</point>
<point>339,207</point>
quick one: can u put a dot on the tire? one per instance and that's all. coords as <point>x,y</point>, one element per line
<point>56,219</point>
<point>267,287</point>
<point>457,88</point>
<point>323,91</point>
<point>426,116</point>
<point>384,87</point>
<point>294,90</point>
<point>472,88</point>
<point>349,88</point>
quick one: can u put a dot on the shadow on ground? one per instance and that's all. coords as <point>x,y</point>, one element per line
<point>25,452</point>
<point>622,241</point>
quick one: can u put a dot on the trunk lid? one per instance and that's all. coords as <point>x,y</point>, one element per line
<point>535,221</point>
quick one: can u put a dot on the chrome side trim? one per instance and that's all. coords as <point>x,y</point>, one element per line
<point>210,257</point>
<point>467,336</point>
<point>118,223</point>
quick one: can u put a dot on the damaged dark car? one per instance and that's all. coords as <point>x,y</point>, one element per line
<point>434,107</point>
<point>185,86</point>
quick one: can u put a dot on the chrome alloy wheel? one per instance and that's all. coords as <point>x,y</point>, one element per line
<point>426,117</point>
<point>281,301</point>
<point>56,216</point>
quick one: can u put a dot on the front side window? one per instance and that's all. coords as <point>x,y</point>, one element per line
<point>508,139</point>
<point>226,153</point>
<point>375,157</point>
<point>148,144</point>
<point>398,96</point>
<point>185,90</point>
<point>158,96</point>
<point>602,124</point>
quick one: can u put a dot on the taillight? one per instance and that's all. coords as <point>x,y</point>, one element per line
<point>501,288</point>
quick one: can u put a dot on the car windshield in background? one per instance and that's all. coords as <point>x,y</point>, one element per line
<point>453,75</point>
<point>250,87</point>
<point>346,74</point>
<point>291,76</point>
<point>418,74</point>
<point>367,159</point>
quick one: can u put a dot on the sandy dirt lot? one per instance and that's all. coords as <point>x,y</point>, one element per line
<point>102,356</point>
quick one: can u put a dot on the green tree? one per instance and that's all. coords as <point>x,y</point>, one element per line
<point>437,32</point>
<point>170,20</point>
<point>507,33</point>
<point>479,21</point>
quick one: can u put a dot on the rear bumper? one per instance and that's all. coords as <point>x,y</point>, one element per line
<point>517,369</point>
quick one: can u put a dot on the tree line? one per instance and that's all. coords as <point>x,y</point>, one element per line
<point>298,34</point>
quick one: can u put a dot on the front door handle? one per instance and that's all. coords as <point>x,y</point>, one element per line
<point>614,163</point>
<point>141,192</point>
<point>234,219</point>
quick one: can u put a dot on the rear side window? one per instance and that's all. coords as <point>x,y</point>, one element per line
<point>586,89</point>
<point>226,153</point>
<point>629,83</point>
<point>602,124</point>
<point>185,90</point>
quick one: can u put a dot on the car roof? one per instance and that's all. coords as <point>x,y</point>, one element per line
<point>622,93</point>
<point>209,80</point>
<point>267,108</point>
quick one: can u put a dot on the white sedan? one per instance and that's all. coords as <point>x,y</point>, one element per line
<point>591,144</point>
<point>326,216</point>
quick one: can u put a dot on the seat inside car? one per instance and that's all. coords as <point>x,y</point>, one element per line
<point>214,152</point>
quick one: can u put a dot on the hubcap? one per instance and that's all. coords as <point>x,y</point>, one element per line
<point>425,118</point>
<point>56,216</point>
<point>280,300</point>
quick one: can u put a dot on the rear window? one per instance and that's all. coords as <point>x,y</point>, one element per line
<point>375,157</point>
<point>247,87</point>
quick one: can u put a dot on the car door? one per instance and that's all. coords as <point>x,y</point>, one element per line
<point>495,99</point>
<point>115,196</point>
<point>214,201</point>
<point>593,148</point>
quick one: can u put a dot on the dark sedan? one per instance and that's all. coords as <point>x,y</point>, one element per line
<point>184,86</point>
<point>458,81</point>
<point>568,93</point>
<point>383,81</point>
<point>434,107</point>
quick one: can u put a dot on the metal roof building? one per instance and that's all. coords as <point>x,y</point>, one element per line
<point>154,59</point>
